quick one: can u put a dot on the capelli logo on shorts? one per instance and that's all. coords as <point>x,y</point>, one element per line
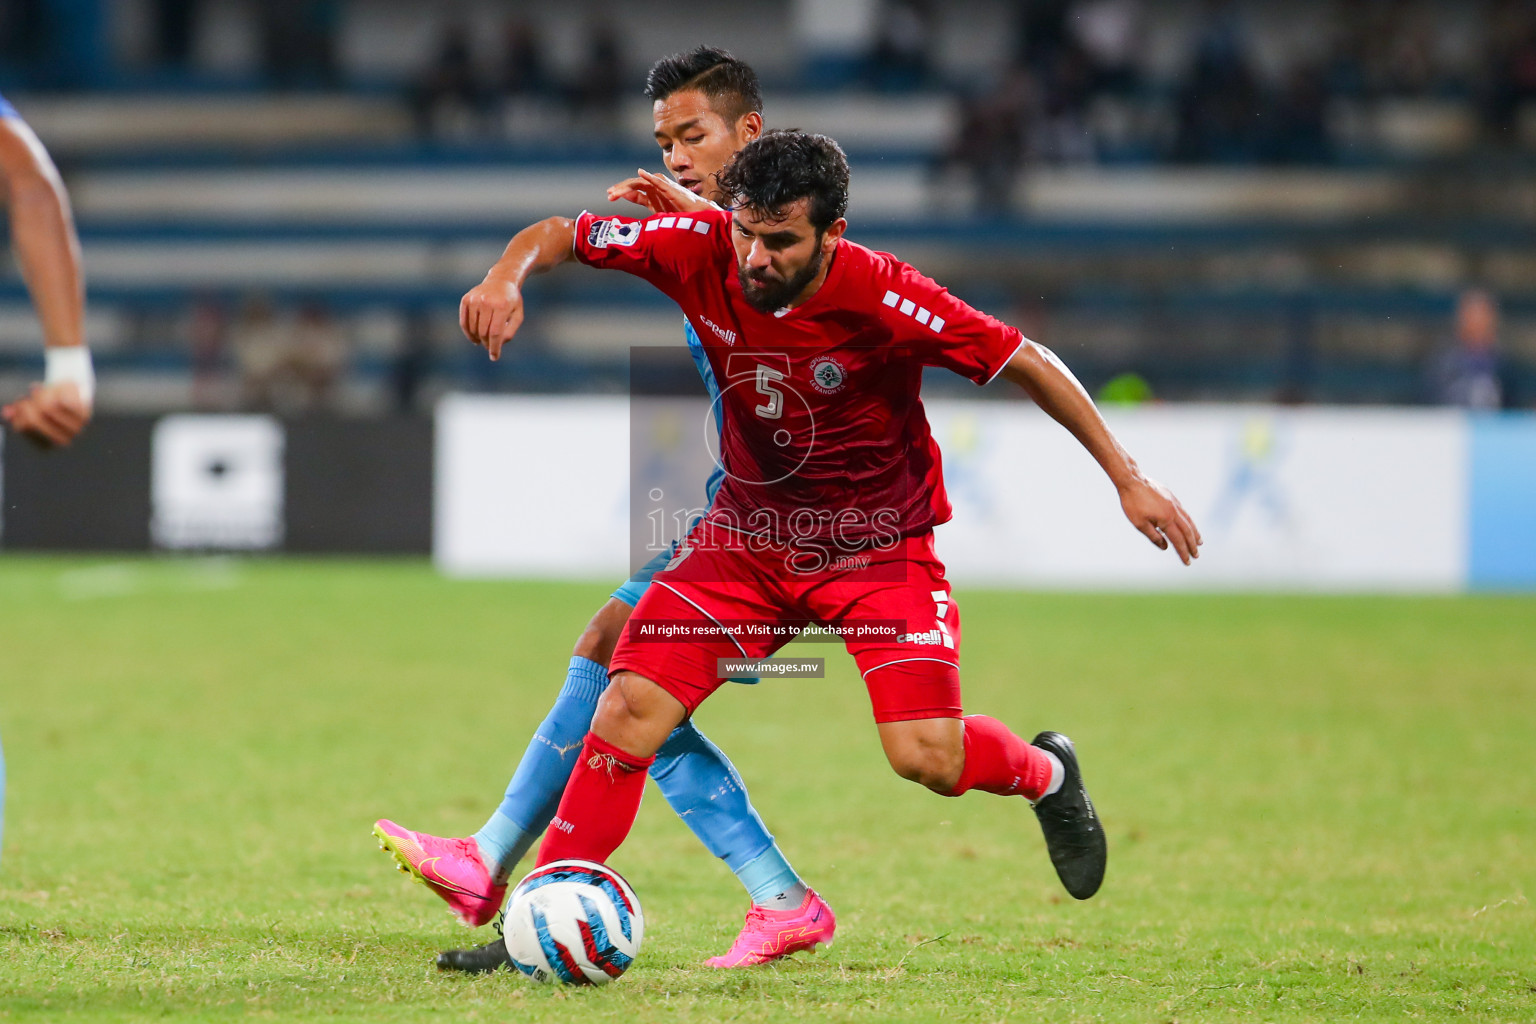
<point>932,638</point>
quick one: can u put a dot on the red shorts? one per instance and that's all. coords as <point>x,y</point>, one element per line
<point>893,609</point>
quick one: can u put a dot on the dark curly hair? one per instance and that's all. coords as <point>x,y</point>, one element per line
<point>784,166</point>
<point>729,84</point>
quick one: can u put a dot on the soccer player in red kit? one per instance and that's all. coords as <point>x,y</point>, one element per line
<point>833,488</point>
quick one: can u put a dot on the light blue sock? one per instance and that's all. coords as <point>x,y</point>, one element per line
<point>704,789</point>
<point>533,795</point>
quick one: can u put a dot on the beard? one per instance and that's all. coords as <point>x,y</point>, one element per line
<point>771,294</point>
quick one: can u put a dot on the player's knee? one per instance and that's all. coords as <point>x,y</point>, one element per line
<point>934,771</point>
<point>930,752</point>
<point>635,709</point>
<point>935,766</point>
<point>636,715</point>
<point>614,709</point>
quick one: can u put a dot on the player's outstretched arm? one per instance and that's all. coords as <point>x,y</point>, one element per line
<point>1150,506</point>
<point>48,253</point>
<point>491,312</point>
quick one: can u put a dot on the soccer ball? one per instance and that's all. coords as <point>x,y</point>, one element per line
<point>573,921</point>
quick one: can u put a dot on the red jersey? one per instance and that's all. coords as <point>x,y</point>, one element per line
<point>823,435</point>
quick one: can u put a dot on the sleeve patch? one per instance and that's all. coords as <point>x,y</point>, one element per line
<point>603,233</point>
<point>913,310</point>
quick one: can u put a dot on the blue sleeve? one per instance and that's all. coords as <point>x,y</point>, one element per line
<point>6,110</point>
<point>707,372</point>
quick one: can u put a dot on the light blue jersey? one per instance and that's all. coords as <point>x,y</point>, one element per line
<point>630,592</point>
<point>707,372</point>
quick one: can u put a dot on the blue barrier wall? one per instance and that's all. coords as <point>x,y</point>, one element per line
<point>1502,503</point>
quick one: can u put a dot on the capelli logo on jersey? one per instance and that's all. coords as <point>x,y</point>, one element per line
<point>828,375</point>
<point>729,337</point>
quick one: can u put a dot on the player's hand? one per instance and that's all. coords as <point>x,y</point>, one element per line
<point>490,313</point>
<point>1154,511</point>
<point>52,415</point>
<point>659,194</point>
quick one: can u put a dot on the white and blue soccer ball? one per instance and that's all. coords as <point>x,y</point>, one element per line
<point>576,922</point>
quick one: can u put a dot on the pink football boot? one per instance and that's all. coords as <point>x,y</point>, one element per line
<point>449,867</point>
<point>774,934</point>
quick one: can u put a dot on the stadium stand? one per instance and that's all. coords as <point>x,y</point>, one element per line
<point>1232,200</point>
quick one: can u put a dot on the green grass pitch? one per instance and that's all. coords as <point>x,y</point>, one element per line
<point>1319,808</point>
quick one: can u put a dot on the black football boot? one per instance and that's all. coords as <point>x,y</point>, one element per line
<point>1074,836</point>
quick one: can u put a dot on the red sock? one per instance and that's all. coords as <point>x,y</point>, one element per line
<point>997,761</point>
<point>599,805</point>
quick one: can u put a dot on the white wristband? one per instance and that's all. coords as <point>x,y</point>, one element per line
<point>71,363</point>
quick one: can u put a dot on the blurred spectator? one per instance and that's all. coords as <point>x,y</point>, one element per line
<point>298,41</point>
<point>1347,69</point>
<point>990,140</point>
<point>1219,100</point>
<point>205,337</point>
<point>900,59</point>
<point>288,367</point>
<point>449,90</point>
<point>1065,89</point>
<point>175,24</point>
<point>522,73</point>
<point>258,340</point>
<point>318,353</point>
<point>1511,64</point>
<point>599,82</point>
<point>1297,121</point>
<point>413,363</point>
<point>1041,33</point>
<point>1469,372</point>
<point>1409,64</point>
<point>23,30</point>
<point>1109,34</point>
<point>1299,356</point>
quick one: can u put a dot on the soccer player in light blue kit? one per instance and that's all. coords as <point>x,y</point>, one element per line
<point>54,412</point>
<point>707,105</point>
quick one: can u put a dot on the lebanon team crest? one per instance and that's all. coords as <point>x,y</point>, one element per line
<point>828,375</point>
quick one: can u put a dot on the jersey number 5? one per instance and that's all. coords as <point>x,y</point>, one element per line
<point>766,379</point>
